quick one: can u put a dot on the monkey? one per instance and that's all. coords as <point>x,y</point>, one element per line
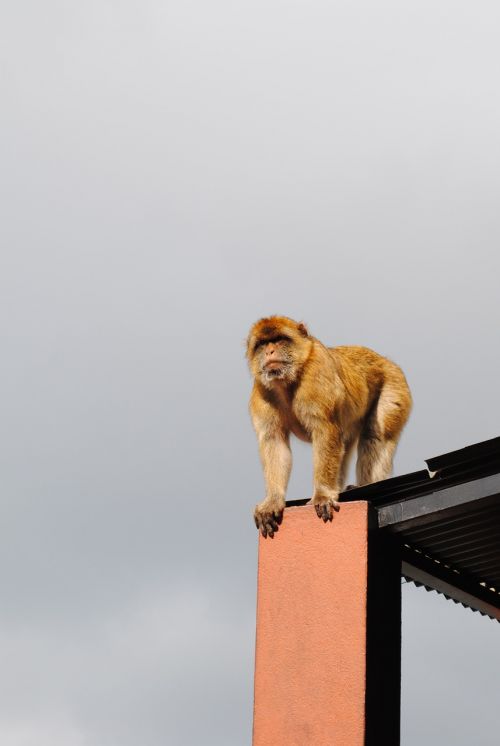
<point>335,398</point>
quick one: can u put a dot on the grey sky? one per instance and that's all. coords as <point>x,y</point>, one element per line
<point>172,171</point>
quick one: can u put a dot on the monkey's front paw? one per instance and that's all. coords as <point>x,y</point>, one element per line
<point>325,506</point>
<point>268,517</point>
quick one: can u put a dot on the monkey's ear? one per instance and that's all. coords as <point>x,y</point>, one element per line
<point>303,329</point>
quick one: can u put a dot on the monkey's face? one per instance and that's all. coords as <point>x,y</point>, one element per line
<point>275,358</point>
<point>276,349</point>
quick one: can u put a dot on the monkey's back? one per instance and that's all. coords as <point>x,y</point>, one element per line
<point>363,359</point>
<point>362,369</point>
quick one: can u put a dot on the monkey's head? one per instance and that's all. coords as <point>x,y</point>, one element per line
<point>277,348</point>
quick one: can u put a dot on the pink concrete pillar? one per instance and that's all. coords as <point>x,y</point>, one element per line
<point>310,666</point>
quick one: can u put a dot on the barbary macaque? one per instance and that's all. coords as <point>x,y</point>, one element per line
<point>332,397</point>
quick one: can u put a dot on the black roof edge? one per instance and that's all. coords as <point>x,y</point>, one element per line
<point>465,457</point>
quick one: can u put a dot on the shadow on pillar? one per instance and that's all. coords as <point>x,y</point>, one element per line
<point>383,644</point>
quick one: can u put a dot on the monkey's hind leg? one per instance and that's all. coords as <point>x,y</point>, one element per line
<point>375,456</point>
<point>381,431</point>
<point>344,466</point>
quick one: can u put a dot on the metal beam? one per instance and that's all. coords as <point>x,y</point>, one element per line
<point>421,510</point>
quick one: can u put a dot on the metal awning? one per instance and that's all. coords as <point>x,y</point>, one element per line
<point>446,522</point>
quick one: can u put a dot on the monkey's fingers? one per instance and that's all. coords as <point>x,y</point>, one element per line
<point>260,525</point>
<point>268,528</point>
<point>271,525</point>
<point>323,511</point>
<point>267,524</point>
<point>332,505</point>
<point>327,512</point>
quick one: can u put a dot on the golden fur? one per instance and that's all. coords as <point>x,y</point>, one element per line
<point>333,397</point>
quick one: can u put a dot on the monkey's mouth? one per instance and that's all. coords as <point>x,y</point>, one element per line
<point>275,369</point>
<point>274,365</point>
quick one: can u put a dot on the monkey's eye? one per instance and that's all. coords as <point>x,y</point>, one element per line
<point>273,340</point>
<point>277,340</point>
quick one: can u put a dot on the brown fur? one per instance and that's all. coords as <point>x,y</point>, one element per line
<point>332,397</point>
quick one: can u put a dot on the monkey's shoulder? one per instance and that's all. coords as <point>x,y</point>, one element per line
<point>355,353</point>
<point>357,357</point>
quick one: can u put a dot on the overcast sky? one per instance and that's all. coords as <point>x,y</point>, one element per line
<point>172,171</point>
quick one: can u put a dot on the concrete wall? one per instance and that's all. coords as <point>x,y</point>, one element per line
<point>310,667</point>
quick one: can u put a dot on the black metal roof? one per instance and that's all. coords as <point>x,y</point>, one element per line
<point>446,521</point>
